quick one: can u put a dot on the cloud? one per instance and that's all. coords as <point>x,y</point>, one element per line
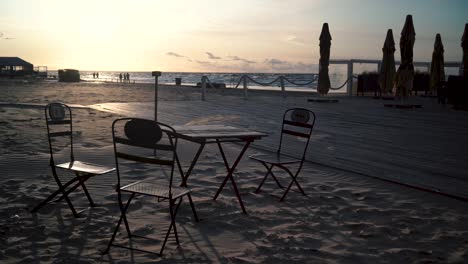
<point>177,55</point>
<point>203,62</point>
<point>236,58</point>
<point>301,67</point>
<point>295,39</point>
<point>274,62</point>
<point>212,57</point>
<point>170,53</point>
<point>286,66</point>
<point>4,38</point>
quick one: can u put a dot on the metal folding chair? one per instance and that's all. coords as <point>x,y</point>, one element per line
<point>297,123</point>
<point>60,136</point>
<point>153,144</point>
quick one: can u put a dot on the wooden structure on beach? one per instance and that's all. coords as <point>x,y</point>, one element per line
<point>350,65</point>
<point>14,66</point>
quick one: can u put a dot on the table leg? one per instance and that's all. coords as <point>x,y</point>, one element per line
<point>192,165</point>
<point>231,172</point>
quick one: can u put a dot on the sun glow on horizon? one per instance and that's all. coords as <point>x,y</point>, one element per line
<point>208,35</point>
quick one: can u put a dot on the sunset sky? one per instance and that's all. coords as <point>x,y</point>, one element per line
<point>218,35</point>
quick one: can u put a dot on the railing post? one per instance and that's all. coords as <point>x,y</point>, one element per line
<point>203,86</point>
<point>283,91</point>
<point>350,78</point>
<point>244,81</point>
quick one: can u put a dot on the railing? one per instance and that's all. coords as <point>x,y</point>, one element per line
<point>245,78</point>
<point>205,82</point>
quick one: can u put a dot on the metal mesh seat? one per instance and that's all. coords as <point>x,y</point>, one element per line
<point>155,190</point>
<point>297,123</point>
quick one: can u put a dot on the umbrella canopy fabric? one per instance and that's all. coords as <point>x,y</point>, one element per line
<point>405,74</point>
<point>325,43</point>
<point>387,70</point>
<point>465,50</point>
<point>437,64</point>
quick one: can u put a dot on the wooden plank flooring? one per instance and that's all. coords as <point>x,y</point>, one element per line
<point>425,147</point>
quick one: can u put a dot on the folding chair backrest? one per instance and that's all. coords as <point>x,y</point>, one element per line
<point>297,123</point>
<point>144,141</point>
<point>59,126</point>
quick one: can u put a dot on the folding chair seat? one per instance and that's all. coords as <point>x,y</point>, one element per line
<point>297,123</point>
<point>85,167</point>
<point>132,138</point>
<point>275,158</point>
<point>156,190</point>
<point>60,130</point>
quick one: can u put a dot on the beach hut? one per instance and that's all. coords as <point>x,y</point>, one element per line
<point>437,65</point>
<point>14,66</point>
<point>387,71</point>
<point>324,79</point>
<point>405,74</point>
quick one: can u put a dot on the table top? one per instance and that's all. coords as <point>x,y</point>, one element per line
<point>206,132</point>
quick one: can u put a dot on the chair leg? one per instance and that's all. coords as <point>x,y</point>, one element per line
<point>293,181</point>
<point>286,192</point>
<point>65,194</point>
<point>85,190</point>
<point>276,180</point>
<point>264,178</point>
<point>53,195</point>
<point>173,215</point>
<point>122,216</point>
<point>193,207</point>
<point>73,188</point>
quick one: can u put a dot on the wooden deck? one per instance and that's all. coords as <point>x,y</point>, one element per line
<point>425,147</point>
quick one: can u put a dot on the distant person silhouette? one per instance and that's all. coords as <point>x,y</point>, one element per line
<point>97,75</point>
<point>120,77</point>
<point>128,77</point>
<point>94,75</point>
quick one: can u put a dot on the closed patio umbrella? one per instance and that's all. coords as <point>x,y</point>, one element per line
<point>437,65</point>
<point>405,74</point>
<point>325,43</point>
<point>387,70</point>
<point>465,50</point>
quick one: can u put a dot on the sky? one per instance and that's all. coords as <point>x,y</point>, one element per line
<point>218,35</point>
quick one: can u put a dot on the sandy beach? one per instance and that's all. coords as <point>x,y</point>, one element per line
<point>346,217</point>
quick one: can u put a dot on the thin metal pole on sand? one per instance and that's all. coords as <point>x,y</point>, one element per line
<point>156,75</point>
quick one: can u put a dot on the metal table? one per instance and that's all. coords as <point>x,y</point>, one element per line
<point>218,134</point>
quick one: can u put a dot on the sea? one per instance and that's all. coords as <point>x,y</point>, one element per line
<point>337,73</point>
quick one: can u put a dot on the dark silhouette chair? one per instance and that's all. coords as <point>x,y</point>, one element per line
<point>60,136</point>
<point>150,143</point>
<point>297,123</point>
